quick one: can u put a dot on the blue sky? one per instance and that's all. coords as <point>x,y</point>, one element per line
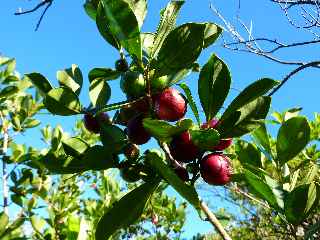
<point>68,36</point>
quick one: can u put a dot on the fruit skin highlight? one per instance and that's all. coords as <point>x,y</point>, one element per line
<point>136,132</point>
<point>182,148</point>
<point>93,123</point>
<point>170,105</point>
<point>224,143</point>
<point>215,169</point>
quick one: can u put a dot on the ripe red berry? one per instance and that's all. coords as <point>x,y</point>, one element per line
<point>136,132</point>
<point>92,123</point>
<point>182,147</point>
<point>224,143</point>
<point>170,105</point>
<point>215,169</point>
<point>182,173</point>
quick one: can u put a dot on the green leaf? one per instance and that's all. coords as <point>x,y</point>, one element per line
<point>9,91</point>
<point>211,33</point>
<point>103,25</point>
<point>103,73</point>
<point>147,40</point>
<point>315,228</point>
<point>178,76</point>
<point>37,223</point>
<point>74,146</point>
<point>94,158</point>
<point>90,9</point>
<point>113,138</point>
<point>250,93</point>
<point>248,153</point>
<point>205,139</point>
<point>261,136</point>
<point>71,78</point>
<point>31,123</point>
<point>293,137</point>
<point>40,82</point>
<point>191,102</point>
<point>213,86</point>
<point>167,23</point>
<point>300,202</point>
<point>246,119</point>
<point>117,216</point>
<point>160,129</point>
<point>180,49</point>
<point>186,191</point>
<point>99,92</point>
<point>263,189</point>
<point>139,7</point>
<point>123,25</point>
<point>62,101</point>
<point>4,221</point>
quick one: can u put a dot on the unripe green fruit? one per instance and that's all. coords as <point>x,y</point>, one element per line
<point>133,84</point>
<point>158,84</point>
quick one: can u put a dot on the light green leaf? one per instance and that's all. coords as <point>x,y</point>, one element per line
<point>71,78</point>
<point>211,33</point>
<point>40,82</point>
<point>99,92</point>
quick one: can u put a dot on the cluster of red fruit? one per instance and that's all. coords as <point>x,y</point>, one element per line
<point>170,105</point>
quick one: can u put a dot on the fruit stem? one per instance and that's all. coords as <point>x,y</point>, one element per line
<point>214,221</point>
<point>148,84</point>
<point>173,162</point>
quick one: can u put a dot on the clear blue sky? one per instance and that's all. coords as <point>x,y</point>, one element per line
<point>68,36</point>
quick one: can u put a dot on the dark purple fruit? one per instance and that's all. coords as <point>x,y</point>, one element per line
<point>136,132</point>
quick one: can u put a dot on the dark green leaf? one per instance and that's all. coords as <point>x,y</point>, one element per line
<point>261,136</point>
<point>205,139</point>
<point>211,33</point>
<point>103,73</point>
<point>293,137</point>
<point>167,23</point>
<point>8,91</point>
<point>213,86</point>
<point>180,49</point>
<point>71,78</point>
<point>113,138</point>
<point>62,101</point>
<point>248,153</point>
<point>160,129</point>
<point>74,146</point>
<point>103,25</point>
<point>123,25</point>
<point>4,220</point>
<point>300,202</point>
<point>40,82</point>
<point>126,211</point>
<point>191,102</point>
<point>186,191</point>
<point>99,92</point>
<point>246,119</point>
<point>147,40</point>
<point>178,76</point>
<point>90,9</point>
<point>250,93</point>
<point>315,228</point>
<point>139,7</point>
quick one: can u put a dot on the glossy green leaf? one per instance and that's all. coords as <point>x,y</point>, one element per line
<point>166,25</point>
<point>147,40</point>
<point>293,137</point>
<point>213,86</point>
<point>300,202</point>
<point>103,73</point>
<point>180,49</point>
<point>4,221</point>
<point>113,138</point>
<point>139,7</point>
<point>37,223</point>
<point>62,101</point>
<point>125,211</point>
<point>123,25</point>
<point>8,91</point>
<point>186,191</point>
<point>191,102</point>
<point>99,92</point>
<point>90,6</point>
<point>74,146</point>
<point>211,33</point>
<point>248,153</point>
<point>71,78</point>
<point>103,25</point>
<point>205,139</point>
<point>260,135</point>
<point>250,93</point>
<point>40,82</point>
<point>160,129</point>
<point>246,119</point>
